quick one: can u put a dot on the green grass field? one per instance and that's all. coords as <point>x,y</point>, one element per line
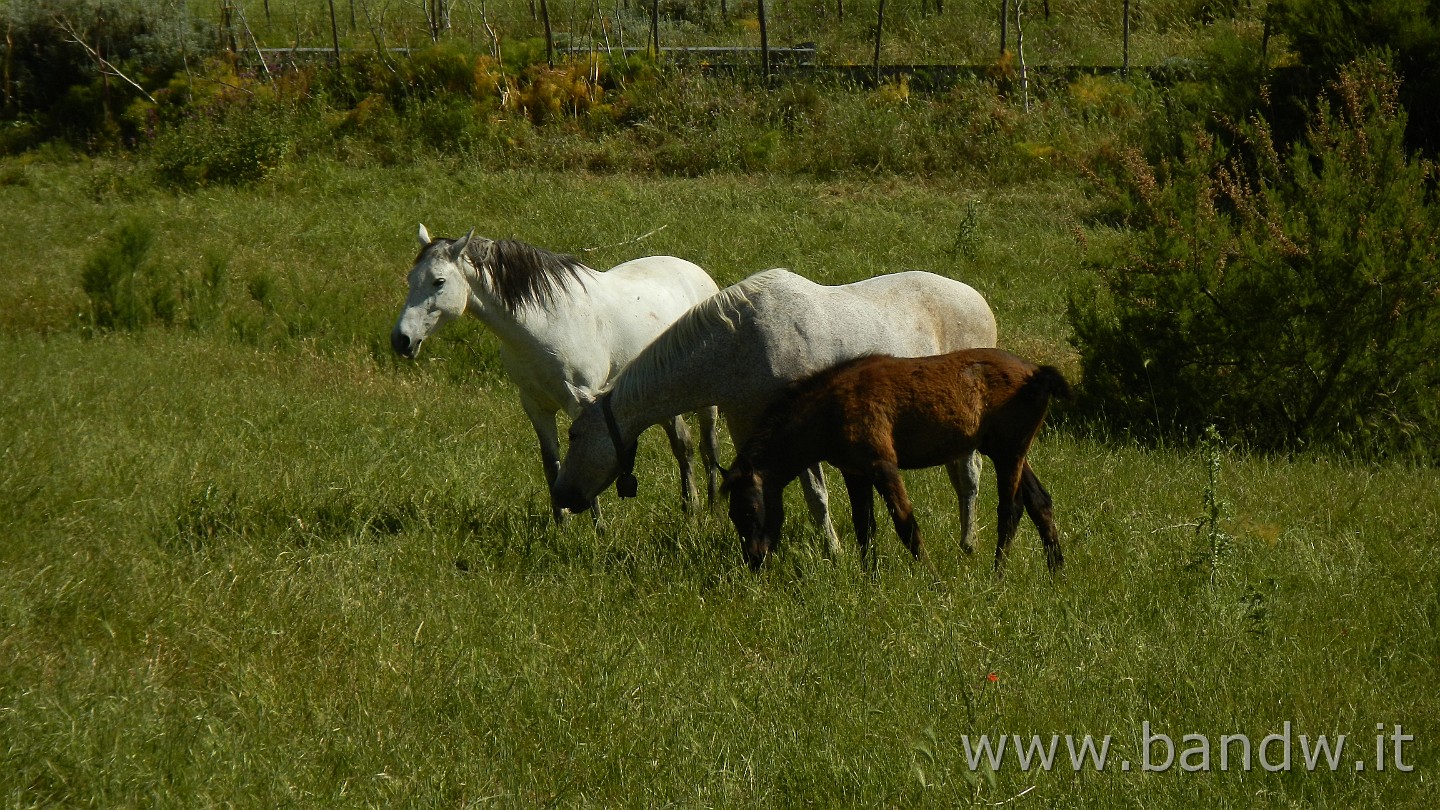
<point>263,563</point>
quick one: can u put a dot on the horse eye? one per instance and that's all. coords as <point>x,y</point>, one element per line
<point>439,282</point>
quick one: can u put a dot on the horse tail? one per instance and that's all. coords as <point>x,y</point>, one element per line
<point>1049,381</point>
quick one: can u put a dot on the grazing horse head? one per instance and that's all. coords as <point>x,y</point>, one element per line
<point>608,456</point>
<point>757,512</point>
<point>439,291</point>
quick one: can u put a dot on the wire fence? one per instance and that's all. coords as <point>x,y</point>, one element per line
<point>723,33</point>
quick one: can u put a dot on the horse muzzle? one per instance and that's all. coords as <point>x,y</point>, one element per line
<point>756,551</point>
<point>403,345</point>
<point>570,499</point>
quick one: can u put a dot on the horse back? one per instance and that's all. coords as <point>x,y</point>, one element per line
<point>668,271</point>
<point>932,410</point>
<point>940,314</point>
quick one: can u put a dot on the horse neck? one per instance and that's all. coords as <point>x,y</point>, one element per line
<point>711,356</point>
<point>641,397</point>
<point>784,447</point>
<point>530,327</point>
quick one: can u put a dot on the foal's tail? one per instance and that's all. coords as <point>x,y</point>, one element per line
<point>1049,381</point>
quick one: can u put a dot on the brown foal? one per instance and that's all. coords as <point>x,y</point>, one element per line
<point>877,415</point>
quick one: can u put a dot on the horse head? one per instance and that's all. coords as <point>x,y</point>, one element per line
<point>756,514</point>
<point>593,456</point>
<point>439,291</point>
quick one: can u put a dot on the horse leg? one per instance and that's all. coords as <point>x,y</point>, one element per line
<point>710,451</point>
<point>812,481</point>
<point>543,420</point>
<point>1041,510</point>
<point>684,450</point>
<point>965,479</point>
<point>1007,480</point>
<point>897,501</point>
<point>862,511</point>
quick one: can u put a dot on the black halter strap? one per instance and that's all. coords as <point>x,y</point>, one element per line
<point>626,484</point>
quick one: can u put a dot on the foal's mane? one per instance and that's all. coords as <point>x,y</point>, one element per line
<point>723,311</point>
<point>520,273</point>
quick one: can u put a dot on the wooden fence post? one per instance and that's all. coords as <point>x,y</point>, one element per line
<point>549,38</point>
<point>879,28</point>
<point>334,32</point>
<point>1125,56</point>
<point>764,43</point>
<point>1004,21</point>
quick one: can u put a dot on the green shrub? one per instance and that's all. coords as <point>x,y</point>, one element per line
<point>442,69</point>
<point>237,144</point>
<point>1288,298</point>
<point>1326,34</point>
<point>126,287</point>
<point>53,78</point>
<point>129,287</point>
<point>447,124</point>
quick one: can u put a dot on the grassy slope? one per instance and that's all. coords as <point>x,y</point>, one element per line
<point>269,564</point>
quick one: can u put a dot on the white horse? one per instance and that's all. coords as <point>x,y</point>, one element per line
<point>743,346</point>
<point>564,329</point>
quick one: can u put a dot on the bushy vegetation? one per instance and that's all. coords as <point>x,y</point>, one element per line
<point>123,282</point>
<point>72,68</point>
<point>129,286</point>
<point>496,95</point>
<point>1325,36</point>
<point>1286,294</point>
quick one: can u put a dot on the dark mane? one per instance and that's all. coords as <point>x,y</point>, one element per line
<point>520,274</point>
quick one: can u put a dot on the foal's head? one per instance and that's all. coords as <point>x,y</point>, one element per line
<point>757,518</point>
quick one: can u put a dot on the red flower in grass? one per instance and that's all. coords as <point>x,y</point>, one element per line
<point>992,677</point>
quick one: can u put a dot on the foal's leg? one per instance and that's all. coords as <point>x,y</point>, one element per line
<point>1007,480</point>
<point>818,499</point>
<point>862,511</point>
<point>1040,509</point>
<point>710,451</point>
<point>684,450</point>
<point>902,512</point>
<point>965,479</point>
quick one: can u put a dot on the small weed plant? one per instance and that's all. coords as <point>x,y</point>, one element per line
<point>1215,542</point>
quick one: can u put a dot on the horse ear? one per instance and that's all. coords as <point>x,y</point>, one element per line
<point>423,236</point>
<point>458,249</point>
<point>726,482</point>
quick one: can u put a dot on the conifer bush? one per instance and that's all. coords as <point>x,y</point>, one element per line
<point>124,283</point>
<point>1289,295</point>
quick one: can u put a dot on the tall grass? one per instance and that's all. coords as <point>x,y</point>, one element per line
<point>284,568</point>
<point>238,576</point>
